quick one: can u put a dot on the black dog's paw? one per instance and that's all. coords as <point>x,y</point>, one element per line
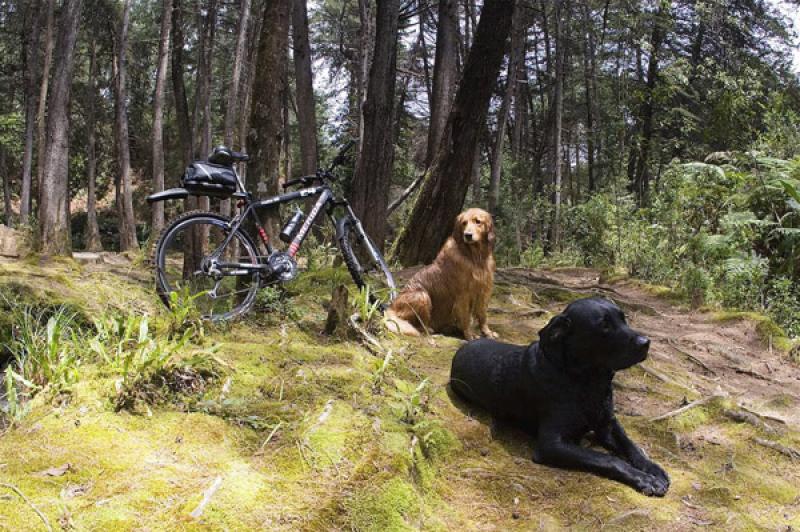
<point>650,485</point>
<point>656,470</point>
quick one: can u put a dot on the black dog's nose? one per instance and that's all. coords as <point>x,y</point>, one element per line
<point>642,343</point>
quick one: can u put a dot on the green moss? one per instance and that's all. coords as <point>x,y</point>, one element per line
<point>770,332</point>
<point>394,505</point>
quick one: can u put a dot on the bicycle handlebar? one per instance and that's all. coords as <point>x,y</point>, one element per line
<point>322,175</point>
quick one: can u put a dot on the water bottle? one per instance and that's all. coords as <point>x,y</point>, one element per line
<point>291,226</point>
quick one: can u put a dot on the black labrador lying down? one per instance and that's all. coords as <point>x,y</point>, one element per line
<point>559,389</point>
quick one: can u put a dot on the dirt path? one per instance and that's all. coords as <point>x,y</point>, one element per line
<point>722,477</point>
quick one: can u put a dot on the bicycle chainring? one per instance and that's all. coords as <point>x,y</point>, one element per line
<point>283,267</point>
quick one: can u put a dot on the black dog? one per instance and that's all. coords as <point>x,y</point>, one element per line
<point>559,389</point>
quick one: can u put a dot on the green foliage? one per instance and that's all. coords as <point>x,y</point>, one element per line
<point>368,308</point>
<point>275,300</point>
<point>45,355</point>
<point>410,401</point>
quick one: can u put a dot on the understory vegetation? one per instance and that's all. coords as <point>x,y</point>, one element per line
<point>723,233</point>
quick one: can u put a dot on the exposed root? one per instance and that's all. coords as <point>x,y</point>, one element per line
<point>740,416</point>
<point>197,512</point>
<point>690,356</point>
<point>789,452</point>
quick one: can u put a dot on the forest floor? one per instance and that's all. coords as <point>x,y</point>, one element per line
<point>317,433</point>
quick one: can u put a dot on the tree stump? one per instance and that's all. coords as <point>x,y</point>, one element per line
<point>338,312</point>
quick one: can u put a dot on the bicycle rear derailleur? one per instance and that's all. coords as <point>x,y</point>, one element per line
<point>282,267</point>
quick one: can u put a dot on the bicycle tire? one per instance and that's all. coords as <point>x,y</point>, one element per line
<point>220,221</point>
<point>344,231</point>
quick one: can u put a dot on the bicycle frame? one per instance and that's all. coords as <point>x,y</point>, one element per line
<point>326,198</point>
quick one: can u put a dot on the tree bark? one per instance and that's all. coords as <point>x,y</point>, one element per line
<point>7,212</point>
<point>304,89</point>
<point>158,115</point>
<point>179,85</point>
<point>54,229</point>
<point>92,229</point>
<point>590,76</point>
<point>31,69</point>
<point>44,86</point>
<point>558,107</point>
<point>265,135</point>
<point>445,73</point>
<point>369,194</point>
<point>127,232</point>
<point>445,188</point>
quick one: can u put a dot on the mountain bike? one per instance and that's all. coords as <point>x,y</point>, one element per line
<point>215,261</point>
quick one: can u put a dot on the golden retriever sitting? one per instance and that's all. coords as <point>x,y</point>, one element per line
<point>447,294</point>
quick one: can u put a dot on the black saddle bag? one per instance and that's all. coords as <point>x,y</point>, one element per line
<point>203,178</point>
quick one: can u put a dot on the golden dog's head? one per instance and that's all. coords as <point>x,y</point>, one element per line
<point>474,227</point>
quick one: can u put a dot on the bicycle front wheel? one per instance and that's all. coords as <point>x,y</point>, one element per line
<point>364,261</point>
<point>193,266</point>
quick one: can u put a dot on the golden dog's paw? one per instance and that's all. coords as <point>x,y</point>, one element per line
<point>488,333</point>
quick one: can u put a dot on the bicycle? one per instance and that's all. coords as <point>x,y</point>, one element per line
<point>214,261</point>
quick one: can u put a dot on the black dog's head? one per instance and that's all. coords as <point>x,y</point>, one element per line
<point>592,333</point>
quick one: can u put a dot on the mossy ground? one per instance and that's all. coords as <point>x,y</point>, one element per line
<point>309,437</point>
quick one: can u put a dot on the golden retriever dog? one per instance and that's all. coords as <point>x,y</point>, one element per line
<point>446,295</point>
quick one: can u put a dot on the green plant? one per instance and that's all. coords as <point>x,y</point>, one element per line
<point>368,308</point>
<point>43,348</point>
<point>532,256</point>
<point>182,314</point>
<point>696,284</point>
<point>783,304</point>
<point>410,401</point>
<point>275,300</point>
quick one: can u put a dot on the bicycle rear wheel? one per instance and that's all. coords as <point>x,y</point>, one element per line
<point>364,261</point>
<point>185,265</point>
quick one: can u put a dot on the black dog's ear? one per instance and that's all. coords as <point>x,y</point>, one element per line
<point>551,338</point>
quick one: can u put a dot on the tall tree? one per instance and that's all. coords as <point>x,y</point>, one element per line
<point>558,108</point>
<point>369,195</point>
<point>54,229</point>
<point>158,113</point>
<point>30,64</point>
<point>127,230</point>
<point>44,86</point>
<point>306,113</point>
<point>442,195</point>
<point>92,228</point>
<point>179,85</point>
<point>266,123</point>
<point>445,74</point>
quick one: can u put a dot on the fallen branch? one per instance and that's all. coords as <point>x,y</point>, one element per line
<point>29,503</point>
<point>775,446</point>
<point>686,408</point>
<point>406,193</point>
<point>197,512</point>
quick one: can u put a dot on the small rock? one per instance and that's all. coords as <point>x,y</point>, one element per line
<point>515,515</point>
<point>484,452</point>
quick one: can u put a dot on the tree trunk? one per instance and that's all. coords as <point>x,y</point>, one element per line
<point>179,85</point>
<point>54,229</point>
<point>558,107</point>
<point>31,64</point>
<point>366,44</point>
<point>445,188</point>
<point>266,128</point>
<point>304,91</point>
<point>369,194</point>
<point>7,212</point>
<point>640,179</point>
<point>158,115</point>
<point>590,76</point>
<point>445,72</point>
<point>127,231</point>
<point>44,86</point>
<point>92,229</point>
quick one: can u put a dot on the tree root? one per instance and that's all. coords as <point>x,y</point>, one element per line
<point>741,416</point>
<point>789,452</point>
<point>672,343</point>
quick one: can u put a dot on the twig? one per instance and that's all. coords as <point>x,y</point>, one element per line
<point>269,438</point>
<point>775,446</point>
<point>197,512</point>
<point>29,503</point>
<point>686,408</point>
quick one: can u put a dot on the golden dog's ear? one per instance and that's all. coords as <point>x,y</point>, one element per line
<point>457,229</point>
<point>490,236</point>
